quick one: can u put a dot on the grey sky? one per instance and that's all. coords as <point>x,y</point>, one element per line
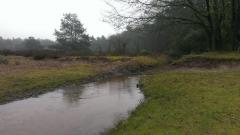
<point>39,18</point>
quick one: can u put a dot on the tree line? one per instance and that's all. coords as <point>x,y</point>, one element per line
<point>30,43</point>
<point>212,25</point>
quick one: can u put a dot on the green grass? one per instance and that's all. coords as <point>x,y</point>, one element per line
<point>117,58</point>
<point>203,102</point>
<point>37,81</point>
<point>211,56</point>
<point>148,61</point>
<point>143,60</point>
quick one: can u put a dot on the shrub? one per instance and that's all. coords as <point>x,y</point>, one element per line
<point>3,60</point>
<point>5,52</point>
<point>39,57</point>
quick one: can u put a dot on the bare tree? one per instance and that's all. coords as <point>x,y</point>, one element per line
<point>206,14</point>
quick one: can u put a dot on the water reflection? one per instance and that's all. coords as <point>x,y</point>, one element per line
<point>71,94</point>
<point>74,110</point>
<point>74,93</point>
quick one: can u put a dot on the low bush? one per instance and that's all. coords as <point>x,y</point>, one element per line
<point>3,60</point>
<point>39,57</point>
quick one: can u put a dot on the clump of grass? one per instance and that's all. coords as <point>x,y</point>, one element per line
<point>150,60</point>
<point>187,102</point>
<point>39,57</point>
<point>118,58</point>
<point>3,60</point>
<point>96,59</point>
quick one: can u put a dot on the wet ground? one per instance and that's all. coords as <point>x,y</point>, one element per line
<point>88,109</point>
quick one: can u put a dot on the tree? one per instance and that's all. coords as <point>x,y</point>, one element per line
<point>212,16</point>
<point>118,44</point>
<point>32,44</point>
<point>72,35</point>
<point>235,23</point>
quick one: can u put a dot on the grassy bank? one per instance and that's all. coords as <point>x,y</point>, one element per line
<point>32,82</point>
<point>228,56</point>
<point>190,102</point>
<point>24,77</point>
<point>209,60</point>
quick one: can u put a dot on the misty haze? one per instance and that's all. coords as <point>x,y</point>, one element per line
<point>119,67</point>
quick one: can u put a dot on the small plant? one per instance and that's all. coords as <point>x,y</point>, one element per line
<point>3,60</point>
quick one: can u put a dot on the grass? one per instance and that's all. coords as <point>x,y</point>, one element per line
<point>29,82</point>
<point>187,103</point>
<point>148,61</point>
<point>118,58</point>
<point>211,56</point>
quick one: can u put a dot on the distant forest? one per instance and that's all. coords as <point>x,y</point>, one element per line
<point>16,44</point>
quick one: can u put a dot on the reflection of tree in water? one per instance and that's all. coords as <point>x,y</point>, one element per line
<point>115,86</point>
<point>123,84</point>
<point>72,94</point>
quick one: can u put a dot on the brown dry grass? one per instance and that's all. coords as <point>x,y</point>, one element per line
<point>18,64</point>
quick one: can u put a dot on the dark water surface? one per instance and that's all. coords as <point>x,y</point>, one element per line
<point>87,109</point>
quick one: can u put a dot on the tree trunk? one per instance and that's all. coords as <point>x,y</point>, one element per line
<point>238,24</point>
<point>211,31</point>
<point>218,38</point>
<point>218,8</point>
<point>234,25</point>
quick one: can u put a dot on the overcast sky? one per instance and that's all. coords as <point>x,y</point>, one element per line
<point>39,18</point>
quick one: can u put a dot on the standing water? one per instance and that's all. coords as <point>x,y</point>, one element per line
<point>88,109</point>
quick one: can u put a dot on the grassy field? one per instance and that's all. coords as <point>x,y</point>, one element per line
<point>193,102</point>
<point>23,77</point>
